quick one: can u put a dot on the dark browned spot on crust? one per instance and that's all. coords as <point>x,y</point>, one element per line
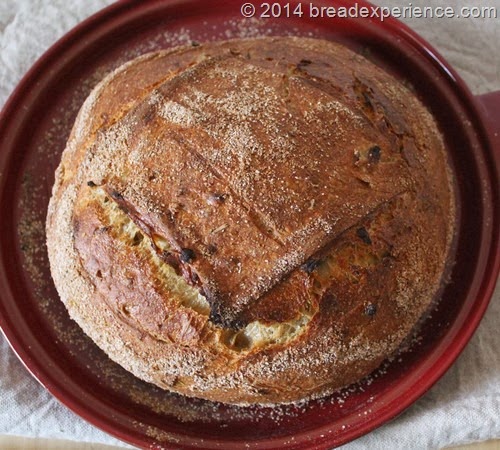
<point>138,238</point>
<point>116,195</point>
<point>374,154</point>
<point>187,255</point>
<point>218,319</point>
<point>371,310</point>
<point>310,265</point>
<point>362,233</point>
<point>211,249</point>
<point>303,63</point>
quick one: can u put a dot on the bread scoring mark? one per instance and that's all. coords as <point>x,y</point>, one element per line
<point>154,247</point>
<point>240,337</point>
<point>261,335</point>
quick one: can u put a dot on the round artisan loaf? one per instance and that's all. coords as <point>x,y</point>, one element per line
<point>251,221</point>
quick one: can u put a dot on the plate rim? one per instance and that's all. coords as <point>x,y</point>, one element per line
<point>101,21</point>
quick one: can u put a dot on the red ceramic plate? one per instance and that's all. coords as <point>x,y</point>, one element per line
<point>33,128</point>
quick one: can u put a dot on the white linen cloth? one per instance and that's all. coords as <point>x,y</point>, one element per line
<point>464,406</point>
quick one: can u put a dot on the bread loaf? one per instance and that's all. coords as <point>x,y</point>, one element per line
<point>251,221</point>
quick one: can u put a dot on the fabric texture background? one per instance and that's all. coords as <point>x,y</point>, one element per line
<point>464,406</point>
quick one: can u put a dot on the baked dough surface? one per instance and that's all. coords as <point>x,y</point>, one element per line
<point>251,221</point>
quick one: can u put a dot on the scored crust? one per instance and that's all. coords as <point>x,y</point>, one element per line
<point>251,221</point>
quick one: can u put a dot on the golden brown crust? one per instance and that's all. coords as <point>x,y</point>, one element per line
<point>302,190</point>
